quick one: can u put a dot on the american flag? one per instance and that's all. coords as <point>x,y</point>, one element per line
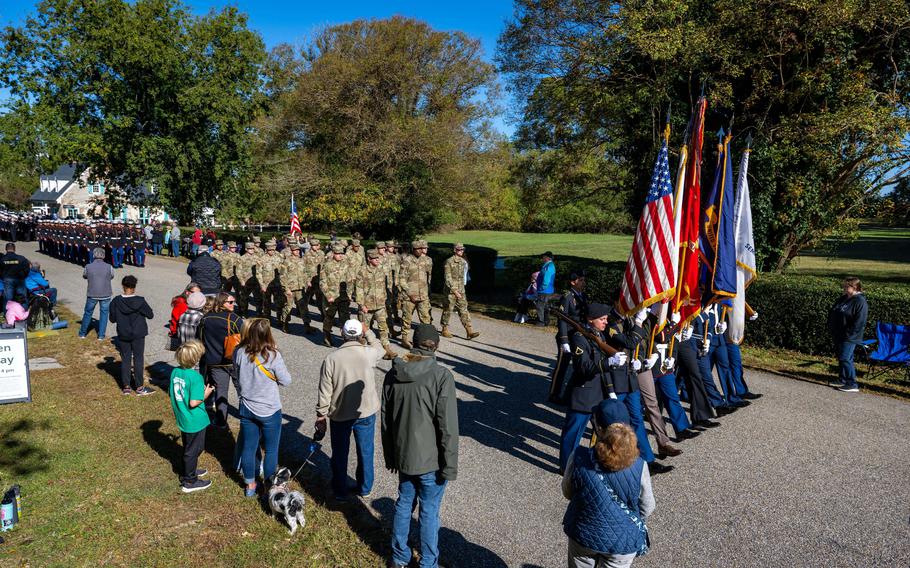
<point>295,221</point>
<point>650,276</point>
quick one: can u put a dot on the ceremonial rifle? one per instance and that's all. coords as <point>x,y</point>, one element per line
<point>600,343</point>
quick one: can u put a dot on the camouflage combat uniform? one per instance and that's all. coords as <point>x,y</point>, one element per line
<point>414,287</point>
<point>455,274</point>
<point>333,283</point>
<point>371,286</point>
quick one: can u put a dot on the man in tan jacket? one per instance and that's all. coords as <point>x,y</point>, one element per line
<point>348,398</point>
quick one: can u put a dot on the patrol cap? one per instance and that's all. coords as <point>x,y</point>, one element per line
<point>419,244</point>
<point>295,246</point>
<point>232,244</point>
<point>257,239</point>
<point>459,246</point>
<point>271,245</point>
<point>355,242</point>
<point>597,310</point>
<point>250,245</point>
<point>373,253</point>
<point>380,245</point>
<point>338,248</point>
<point>218,242</point>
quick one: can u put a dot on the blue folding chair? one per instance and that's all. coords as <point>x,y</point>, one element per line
<point>892,349</point>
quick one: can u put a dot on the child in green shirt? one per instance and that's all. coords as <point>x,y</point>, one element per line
<point>188,391</point>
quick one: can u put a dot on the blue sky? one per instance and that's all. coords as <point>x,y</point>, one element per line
<point>292,22</point>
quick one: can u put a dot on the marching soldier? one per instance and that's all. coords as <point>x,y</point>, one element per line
<point>232,259</point>
<point>266,272</point>
<point>414,287</point>
<point>371,285</point>
<point>333,283</point>
<point>393,265</point>
<point>288,281</point>
<point>574,304</point>
<point>246,278</point>
<point>455,274</point>
<point>312,267</point>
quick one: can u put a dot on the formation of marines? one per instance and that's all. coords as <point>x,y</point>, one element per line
<point>386,286</point>
<point>17,226</point>
<point>73,240</point>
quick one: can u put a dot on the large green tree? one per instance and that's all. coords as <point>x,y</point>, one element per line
<point>822,85</point>
<point>377,125</point>
<point>140,92</point>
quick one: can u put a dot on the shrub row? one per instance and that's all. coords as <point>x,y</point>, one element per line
<point>793,309</point>
<point>482,267</point>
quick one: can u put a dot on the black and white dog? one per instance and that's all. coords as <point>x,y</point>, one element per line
<point>285,502</point>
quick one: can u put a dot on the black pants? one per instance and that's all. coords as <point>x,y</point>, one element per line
<point>193,444</point>
<point>699,406</point>
<point>132,362</point>
<point>558,387</point>
<point>221,378</point>
<point>543,307</point>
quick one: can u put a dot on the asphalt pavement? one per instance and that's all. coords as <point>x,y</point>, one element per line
<point>805,476</point>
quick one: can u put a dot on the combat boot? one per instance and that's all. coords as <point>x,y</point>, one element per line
<point>405,343</point>
<point>327,339</point>
<point>389,353</point>
<point>445,331</point>
<point>471,333</point>
<point>284,326</point>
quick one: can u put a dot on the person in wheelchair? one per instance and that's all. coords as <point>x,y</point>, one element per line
<point>37,284</point>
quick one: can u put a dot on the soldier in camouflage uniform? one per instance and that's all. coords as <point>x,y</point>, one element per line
<point>267,274</point>
<point>455,274</point>
<point>414,287</point>
<point>394,267</point>
<point>333,283</point>
<point>288,280</point>
<point>246,279</point>
<point>231,259</point>
<point>371,285</point>
<point>312,267</point>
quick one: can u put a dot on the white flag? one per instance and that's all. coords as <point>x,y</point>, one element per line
<point>745,252</point>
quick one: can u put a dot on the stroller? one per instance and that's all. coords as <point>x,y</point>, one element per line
<point>41,313</point>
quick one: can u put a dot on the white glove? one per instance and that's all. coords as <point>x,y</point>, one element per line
<point>675,317</point>
<point>703,350</point>
<point>754,316</point>
<point>565,348</point>
<point>618,360</point>
<point>668,364</point>
<point>686,334</point>
<point>720,328</point>
<point>613,395</point>
<point>640,317</point>
<point>651,361</point>
<point>636,365</point>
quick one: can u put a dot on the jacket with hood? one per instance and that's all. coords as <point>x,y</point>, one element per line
<point>420,416</point>
<point>130,313</point>
<point>847,318</point>
<point>205,271</point>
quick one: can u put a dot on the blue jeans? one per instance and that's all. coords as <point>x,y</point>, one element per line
<point>139,256</point>
<point>632,400</point>
<point>669,397</point>
<point>194,249</point>
<point>90,303</point>
<point>428,489</point>
<point>13,288</point>
<point>252,428</point>
<point>175,249</point>
<point>845,361</point>
<point>340,432</point>
<point>573,430</point>
<point>156,249</point>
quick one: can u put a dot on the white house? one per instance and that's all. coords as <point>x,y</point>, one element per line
<point>69,196</point>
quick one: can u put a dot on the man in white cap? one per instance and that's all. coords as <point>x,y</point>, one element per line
<point>348,398</point>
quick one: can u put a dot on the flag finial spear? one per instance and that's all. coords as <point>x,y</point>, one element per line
<point>749,141</point>
<point>667,126</point>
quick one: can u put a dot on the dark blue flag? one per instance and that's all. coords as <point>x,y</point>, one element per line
<point>717,242</point>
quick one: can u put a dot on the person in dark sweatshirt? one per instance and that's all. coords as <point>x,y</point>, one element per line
<point>419,442</point>
<point>846,321</point>
<point>130,313</point>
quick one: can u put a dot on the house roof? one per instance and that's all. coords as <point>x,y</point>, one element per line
<point>66,174</point>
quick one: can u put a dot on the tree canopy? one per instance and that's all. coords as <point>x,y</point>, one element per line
<point>822,85</point>
<point>378,124</point>
<point>139,92</point>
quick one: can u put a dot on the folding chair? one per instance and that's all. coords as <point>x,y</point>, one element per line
<point>892,349</point>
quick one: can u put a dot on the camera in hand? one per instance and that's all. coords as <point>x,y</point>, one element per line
<point>319,435</point>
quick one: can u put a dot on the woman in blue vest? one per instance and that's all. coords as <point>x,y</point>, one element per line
<point>609,492</point>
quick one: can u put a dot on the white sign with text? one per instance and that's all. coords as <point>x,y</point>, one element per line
<point>14,379</point>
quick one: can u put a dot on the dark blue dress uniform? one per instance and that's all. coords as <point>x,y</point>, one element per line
<point>575,305</point>
<point>703,327</point>
<point>625,379</point>
<point>716,356</point>
<point>665,376</point>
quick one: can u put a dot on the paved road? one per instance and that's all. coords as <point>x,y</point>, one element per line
<point>806,476</point>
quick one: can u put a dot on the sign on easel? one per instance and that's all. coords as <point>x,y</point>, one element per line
<point>14,377</point>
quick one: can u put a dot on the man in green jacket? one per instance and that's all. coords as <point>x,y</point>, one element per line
<point>419,442</point>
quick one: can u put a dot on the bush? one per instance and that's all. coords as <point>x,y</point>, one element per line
<point>602,277</point>
<point>482,267</point>
<point>793,311</point>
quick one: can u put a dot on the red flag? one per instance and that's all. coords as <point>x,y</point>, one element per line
<point>687,301</point>
<point>295,221</point>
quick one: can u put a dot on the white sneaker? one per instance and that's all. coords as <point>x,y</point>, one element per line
<point>848,389</point>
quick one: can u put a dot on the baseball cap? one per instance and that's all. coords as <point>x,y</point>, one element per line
<point>352,328</point>
<point>611,411</point>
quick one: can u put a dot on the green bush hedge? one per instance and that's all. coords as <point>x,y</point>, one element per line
<point>793,309</point>
<point>482,263</point>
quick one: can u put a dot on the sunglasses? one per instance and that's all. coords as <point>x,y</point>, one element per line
<point>231,302</point>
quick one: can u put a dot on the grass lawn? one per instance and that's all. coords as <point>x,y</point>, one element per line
<point>98,484</point>
<point>600,247</point>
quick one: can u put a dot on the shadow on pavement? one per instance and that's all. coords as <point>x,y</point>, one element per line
<point>507,419</point>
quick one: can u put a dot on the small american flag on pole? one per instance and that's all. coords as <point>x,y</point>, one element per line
<point>650,273</point>
<point>295,221</point>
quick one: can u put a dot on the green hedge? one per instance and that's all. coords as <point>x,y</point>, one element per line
<point>793,309</point>
<point>482,261</point>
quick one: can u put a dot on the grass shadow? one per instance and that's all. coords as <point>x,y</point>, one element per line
<point>19,456</point>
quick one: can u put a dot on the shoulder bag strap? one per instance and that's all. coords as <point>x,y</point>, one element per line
<point>262,368</point>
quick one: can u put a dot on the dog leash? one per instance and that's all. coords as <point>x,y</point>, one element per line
<point>313,447</point>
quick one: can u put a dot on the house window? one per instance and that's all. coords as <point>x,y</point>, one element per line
<point>70,212</point>
<point>96,188</point>
<point>144,215</point>
<point>123,213</point>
